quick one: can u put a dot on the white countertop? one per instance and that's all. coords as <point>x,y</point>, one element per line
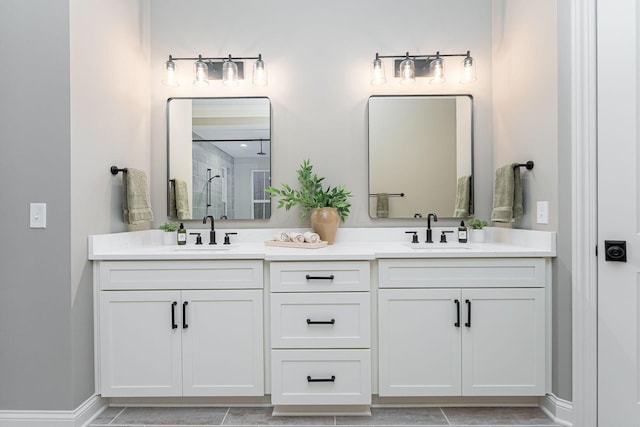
<point>351,244</point>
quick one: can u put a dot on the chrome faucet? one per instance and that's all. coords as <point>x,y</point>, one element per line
<point>212,233</point>
<point>429,231</point>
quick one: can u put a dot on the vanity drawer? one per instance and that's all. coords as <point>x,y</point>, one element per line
<point>320,320</point>
<point>321,377</point>
<point>131,275</point>
<point>462,272</point>
<point>320,276</point>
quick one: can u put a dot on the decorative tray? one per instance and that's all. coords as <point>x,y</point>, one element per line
<point>320,244</point>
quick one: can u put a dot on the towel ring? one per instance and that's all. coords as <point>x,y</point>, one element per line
<point>114,170</point>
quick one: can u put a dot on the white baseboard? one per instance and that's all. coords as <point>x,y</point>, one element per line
<point>561,411</point>
<point>79,417</point>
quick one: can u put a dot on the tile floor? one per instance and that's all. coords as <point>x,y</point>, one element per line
<point>240,416</point>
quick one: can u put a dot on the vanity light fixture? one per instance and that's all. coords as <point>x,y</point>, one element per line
<point>229,70</point>
<point>169,78</point>
<point>407,67</point>
<point>378,76</point>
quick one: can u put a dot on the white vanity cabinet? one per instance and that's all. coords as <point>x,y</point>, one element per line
<point>320,333</point>
<point>180,328</point>
<point>462,327</point>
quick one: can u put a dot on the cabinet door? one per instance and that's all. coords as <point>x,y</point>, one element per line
<point>222,343</point>
<point>419,342</point>
<point>140,343</point>
<point>503,349</point>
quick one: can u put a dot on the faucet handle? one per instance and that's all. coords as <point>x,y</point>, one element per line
<point>227,241</point>
<point>443,236</point>
<point>198,238</point>
<point>414,239</point>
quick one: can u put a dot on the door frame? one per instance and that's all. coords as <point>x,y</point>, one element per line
<point>584,210</point>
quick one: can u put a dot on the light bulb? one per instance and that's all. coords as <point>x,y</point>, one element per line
<point>259,73</point>
<point>169,78</point>
<point>437,66</point>
<point>468,70</point>
<point>407,71</point>
<point>378,76</point>
<point>229,73</point>
<point>201,73</point>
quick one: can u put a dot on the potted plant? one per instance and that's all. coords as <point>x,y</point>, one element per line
<point>169,227</point>
<point>477,233</point>
<point>325,207</point>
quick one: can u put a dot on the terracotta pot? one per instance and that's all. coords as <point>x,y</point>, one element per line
<point>325,221</point>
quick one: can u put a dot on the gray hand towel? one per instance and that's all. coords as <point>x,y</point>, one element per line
<point>136,204</point>
<point>507,194</point>
<point>463,197</point>
<point>382,205</point>
<point>179,206</point>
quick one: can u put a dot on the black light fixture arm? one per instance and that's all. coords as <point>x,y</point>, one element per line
<point>433,55</point>
<point>216,58</point>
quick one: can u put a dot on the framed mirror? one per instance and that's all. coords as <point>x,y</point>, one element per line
<point>420,156</point>
<point>219,158</point>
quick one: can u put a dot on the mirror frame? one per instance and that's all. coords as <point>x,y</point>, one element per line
<point>472,148</point>
<point>168,146</point>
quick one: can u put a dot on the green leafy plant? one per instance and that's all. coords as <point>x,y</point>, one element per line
<point>311,194</point>
<point>170,226</point>
<point>477,224</point>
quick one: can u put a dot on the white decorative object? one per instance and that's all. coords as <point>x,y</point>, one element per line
<point>477,236</point>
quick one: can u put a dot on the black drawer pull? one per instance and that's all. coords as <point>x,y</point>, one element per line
<point>468,324</point>
<point>184,315</point>
<point>457,324</point>
<point>321,322</point>
<point>321,380</point>
<point>173,315</point>
<point>329,277</point>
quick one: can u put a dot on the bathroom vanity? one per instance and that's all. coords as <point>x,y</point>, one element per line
<point>330,327</point>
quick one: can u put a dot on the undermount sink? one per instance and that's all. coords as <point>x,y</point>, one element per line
<point>438,246</point>
<point>202,248</point>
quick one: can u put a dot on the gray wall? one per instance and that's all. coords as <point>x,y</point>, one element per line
<point>562,352</point>
<point>35,300</point>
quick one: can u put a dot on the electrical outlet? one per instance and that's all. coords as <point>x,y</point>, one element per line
<point>38,215</point>
<point>542,212</point>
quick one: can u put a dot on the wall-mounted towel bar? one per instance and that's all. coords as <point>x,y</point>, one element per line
<point>528,165</point>
<point>388,194</point>
<point>115,170</point>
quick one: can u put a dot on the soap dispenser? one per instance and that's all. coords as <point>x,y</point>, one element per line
<point>182,235</point>
<point>462,233</point>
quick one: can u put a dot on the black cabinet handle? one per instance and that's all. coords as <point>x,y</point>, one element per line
<point>468,324</point>
<point>321,380</point>
<point>173,315</point>
<point>457,324</point>
<point>321,322</point>
<point>184,315</point>
<point>329,277</point>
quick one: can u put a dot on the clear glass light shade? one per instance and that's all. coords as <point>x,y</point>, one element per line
<point>468,70</point>
<point>260,73</point>
<point>437,67</point>
<point>407,71</point>
<point>201,74</point>
<point>169,74</point>
<point>378,76</point>
<point>229,73</point>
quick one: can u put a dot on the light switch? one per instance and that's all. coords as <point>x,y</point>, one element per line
<point>38,215</point>
<point>542,213</point>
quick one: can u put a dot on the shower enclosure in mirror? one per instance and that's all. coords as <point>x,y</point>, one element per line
<point>219,157</point>
<point>420,156</point>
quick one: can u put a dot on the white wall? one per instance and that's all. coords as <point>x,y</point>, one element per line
<point>109,126</point>
<point>319,56</point>
<point>525,113</point>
